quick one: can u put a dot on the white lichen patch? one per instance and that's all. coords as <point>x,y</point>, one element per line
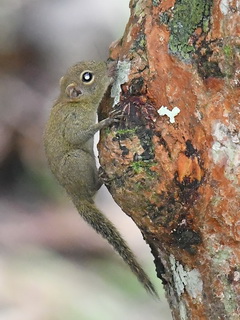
<point>123,69</point>
<point>226,148</point>
<point>194,283</point>
<point>224,6</point>
<point>236,276</point>
<point>198,114</point>
<point>182,311</point>
<point>164,111</point>
<point>186,280</point>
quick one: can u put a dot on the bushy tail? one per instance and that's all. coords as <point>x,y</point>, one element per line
<point>102,225</point>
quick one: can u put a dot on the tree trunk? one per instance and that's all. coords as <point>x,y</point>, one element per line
<point>173,160</point>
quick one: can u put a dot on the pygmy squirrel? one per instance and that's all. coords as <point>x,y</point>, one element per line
<point>68,142</point>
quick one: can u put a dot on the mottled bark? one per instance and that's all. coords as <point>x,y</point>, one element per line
<point>173,161</point>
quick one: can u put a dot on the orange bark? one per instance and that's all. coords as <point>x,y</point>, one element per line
<point>176,171</point>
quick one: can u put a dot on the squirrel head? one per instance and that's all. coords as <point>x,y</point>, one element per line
<point>85,82</point>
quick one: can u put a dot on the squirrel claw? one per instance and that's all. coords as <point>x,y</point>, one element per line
<point>116,116</point>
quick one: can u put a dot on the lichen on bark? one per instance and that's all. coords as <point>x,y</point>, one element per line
<point>186,18</point>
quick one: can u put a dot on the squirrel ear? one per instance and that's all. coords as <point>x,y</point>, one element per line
<point>61,81</point>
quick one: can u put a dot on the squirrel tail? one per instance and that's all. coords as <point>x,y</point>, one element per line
<point>103,226</point>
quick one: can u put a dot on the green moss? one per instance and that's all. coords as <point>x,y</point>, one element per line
<point>107,130</point>
<point>187,17</point>
<point>128,132</point>
<point>205,24</point>
<point>139,186</point>
<point>122,134</point>
<point>228,51</point>
<point>140,166</point>
<point>229,61</point>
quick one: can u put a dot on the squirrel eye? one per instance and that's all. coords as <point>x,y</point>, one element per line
<point>87,77</point>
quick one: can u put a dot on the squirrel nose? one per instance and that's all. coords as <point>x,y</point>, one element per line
<point>73,91</point>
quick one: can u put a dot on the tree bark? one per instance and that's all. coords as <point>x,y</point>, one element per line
<point>173,160</point>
